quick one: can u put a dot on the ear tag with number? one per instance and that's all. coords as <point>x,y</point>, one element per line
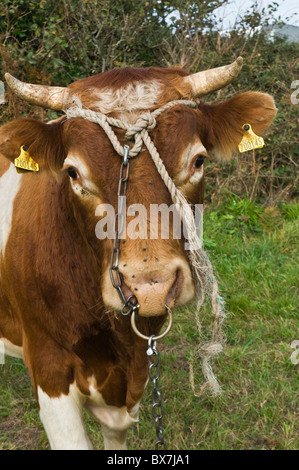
<point>250,140</point>
<point>24,162</point>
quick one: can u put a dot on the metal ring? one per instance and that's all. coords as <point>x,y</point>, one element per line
<point>155,338</point>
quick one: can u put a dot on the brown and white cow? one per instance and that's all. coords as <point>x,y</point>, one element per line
<point>58,308</point>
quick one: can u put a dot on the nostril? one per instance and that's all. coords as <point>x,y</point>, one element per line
<point>130,297</point>
<point>127,291</point>
<point>175,289</point>
<point>132,300</point>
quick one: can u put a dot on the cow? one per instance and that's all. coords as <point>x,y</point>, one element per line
<point>59,310</point>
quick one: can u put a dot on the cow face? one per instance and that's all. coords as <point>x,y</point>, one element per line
<point>155,270</point>
<point>78,155</point>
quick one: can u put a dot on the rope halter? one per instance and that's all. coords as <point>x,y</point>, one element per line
<point>202,270</point>
<point>145,123</point>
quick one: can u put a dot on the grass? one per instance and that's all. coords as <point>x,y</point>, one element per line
<point>255,254</point>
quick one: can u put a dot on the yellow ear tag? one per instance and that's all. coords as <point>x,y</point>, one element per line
<point>250,140</point>
<point>24,162</point>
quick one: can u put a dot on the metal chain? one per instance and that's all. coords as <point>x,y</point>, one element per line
<point>129,305</point>
<point>157,405</point>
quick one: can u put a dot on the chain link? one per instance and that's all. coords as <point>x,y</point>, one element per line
<point>157,405</point>
<point>130,304</point>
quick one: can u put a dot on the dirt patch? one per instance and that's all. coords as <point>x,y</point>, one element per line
<point>15,434</point>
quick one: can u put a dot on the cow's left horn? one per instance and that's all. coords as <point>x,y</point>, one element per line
<point>207,81</point>
<point>53,97</point>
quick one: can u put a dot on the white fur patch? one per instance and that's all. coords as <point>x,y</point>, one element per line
<point>116,419</point>
<point>9,187</point>
<point>197,175</point>
<point>63,423</point>
<point>11,349</point>
<point>62,420</point>
<point>134,97</point>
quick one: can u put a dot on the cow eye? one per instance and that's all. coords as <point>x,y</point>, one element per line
<point>72,173</point>
<point>199,161</point>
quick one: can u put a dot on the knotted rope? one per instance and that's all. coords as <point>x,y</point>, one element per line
<point>204,278</point>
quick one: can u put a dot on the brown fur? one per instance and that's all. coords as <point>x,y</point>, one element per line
<point>50,277</point>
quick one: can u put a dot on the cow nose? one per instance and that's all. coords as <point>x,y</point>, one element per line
<point>154,284</point>
<point>154,290</point>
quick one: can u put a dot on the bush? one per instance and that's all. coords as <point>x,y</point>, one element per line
<point>57,42</point>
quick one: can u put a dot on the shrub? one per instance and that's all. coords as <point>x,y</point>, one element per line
<point>57,42</point>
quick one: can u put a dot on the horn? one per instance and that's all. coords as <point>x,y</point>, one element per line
<point>53,97</point>
<point>207,81</point>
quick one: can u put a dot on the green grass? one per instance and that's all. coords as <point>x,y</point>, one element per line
<point>255,254</point>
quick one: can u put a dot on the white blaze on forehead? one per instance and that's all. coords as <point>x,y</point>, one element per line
<point>9,187</point>
<point>134,97</point>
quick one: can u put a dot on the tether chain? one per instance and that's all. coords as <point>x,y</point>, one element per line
<point>157,405</point>
<point>129,305</point>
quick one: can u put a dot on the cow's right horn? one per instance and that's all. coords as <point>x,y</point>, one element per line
<point>53,97</point>
<point>210,80</point>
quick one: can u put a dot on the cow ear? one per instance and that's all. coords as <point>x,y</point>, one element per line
<point>43,141</point>
<point>221,124</point>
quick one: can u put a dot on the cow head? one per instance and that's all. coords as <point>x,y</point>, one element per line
<point>77,156</point>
